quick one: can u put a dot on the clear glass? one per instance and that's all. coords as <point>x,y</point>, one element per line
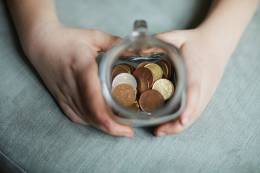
<point>136,41</point>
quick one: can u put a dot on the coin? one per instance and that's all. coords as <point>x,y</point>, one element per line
<point>124,94</point>
<point>117,70</point>
<point>134,106</point>
<point>151,100</point>
<point>122,68</point>
<point>164,87</point>
<point>142,64</point>
<point>144,79</point>
<point>128,67</point>
<point>124,78</point>
<point>156,70</point>
<point>166,68</point>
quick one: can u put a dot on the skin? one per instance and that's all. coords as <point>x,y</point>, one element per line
<point>64,57</point>
<point>206,50</point>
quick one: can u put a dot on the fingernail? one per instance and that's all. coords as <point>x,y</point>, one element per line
<point>129,134</point>
<point>161,134</point>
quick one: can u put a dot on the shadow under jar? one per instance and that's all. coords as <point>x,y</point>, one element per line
<point>137,50</point>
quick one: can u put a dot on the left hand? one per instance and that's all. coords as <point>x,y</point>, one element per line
<point>205,61</point>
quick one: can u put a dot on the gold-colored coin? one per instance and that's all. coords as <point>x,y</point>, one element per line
<point>164,87</point>
<point>156,71</point>
<point>142,64</point>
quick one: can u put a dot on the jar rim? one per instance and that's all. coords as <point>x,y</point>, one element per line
<point>111,56</point>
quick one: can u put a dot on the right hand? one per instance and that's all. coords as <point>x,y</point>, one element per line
<point>65,59</point>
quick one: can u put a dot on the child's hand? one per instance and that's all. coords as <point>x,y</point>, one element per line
<point>205,67</point>
<point>65,60</point>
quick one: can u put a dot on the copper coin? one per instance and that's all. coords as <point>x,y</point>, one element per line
<point>117,70</point>
<point>142,64</point>
<point>124,94</point>
<point>128,67</point>
<point>122,68</point>
<point>144,79</point>
<point>156,71</point>
<point>170,67</point>
<point>166,67</point>
<point>151,100</point>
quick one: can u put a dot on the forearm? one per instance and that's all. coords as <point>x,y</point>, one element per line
<point>226,22</point>
<point>29,16</point>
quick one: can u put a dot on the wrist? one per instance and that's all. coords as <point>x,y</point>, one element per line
<point>205,49</point>
<point>37,35</point>
<point>220,41</point>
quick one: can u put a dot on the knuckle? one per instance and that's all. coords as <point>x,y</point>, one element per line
<point>73,64</point>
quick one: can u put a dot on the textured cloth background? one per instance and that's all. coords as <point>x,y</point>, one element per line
<point>37,136</point>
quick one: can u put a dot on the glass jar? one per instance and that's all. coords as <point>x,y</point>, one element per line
<point>136,41</point>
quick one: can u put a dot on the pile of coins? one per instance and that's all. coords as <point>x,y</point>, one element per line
<point>145,87</point>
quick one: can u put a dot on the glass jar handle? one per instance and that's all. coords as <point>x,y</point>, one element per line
<point>140,28</point>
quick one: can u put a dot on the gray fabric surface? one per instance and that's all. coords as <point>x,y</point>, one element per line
<point>36,135</point>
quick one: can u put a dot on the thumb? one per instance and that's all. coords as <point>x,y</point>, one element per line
<point>177,38</point>
<point>94,104</point>
<point>104,40</point>
<point>189,115</point>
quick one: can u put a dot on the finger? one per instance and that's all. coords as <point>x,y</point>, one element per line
<point>152,50</point>
<point>188,116</point>
<point>71,114</point>
<point>94,103</point>
<point>104,40</point>
<point>176,38</point>
<point>128,53</point>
